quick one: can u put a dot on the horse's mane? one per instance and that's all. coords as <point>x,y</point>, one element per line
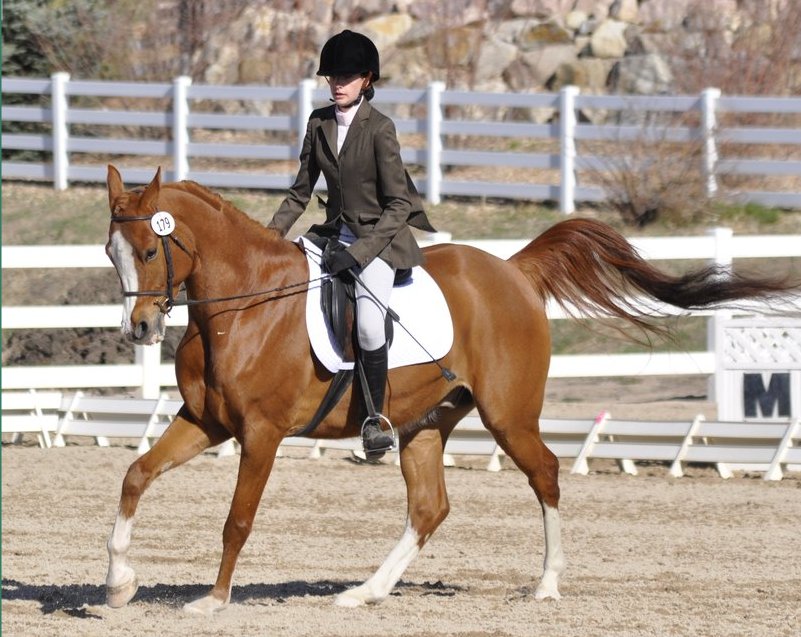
<point>218,202</point>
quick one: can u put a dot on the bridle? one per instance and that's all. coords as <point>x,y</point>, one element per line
<point>169,301</point>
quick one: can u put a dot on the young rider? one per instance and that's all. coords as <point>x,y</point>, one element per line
<point>371,203</point>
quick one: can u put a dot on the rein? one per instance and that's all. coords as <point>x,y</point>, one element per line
<point>170,301</point>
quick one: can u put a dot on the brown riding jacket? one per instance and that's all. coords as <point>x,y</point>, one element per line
<point>368,188</point>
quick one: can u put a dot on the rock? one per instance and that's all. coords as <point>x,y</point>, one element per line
<point>385,30</point>
<point>636,44</point>
<point>663,16</point>
<point>438,15</point>
<point>543,63</point>
<point>642,75</point>
<point>712,15</point>
<point>409,67</point>
<point>575,21</point>
<point>493,58</point>
<point>418,35</point>
<point>624,10</point>
<point>535,36</point>
<point>455,47</point>
<point>320,11</point>
<point>355,11</point>
<point>540,8</point>
<point>598,9</point>
<point>527,44</point>
<point>597,73</point>
<point>586,73</point>
<point>609,39</point>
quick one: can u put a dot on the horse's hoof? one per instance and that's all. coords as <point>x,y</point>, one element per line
<point>119,596</point>
<point>354,597</point>
<point>348,601</point>
<point>207,606</point>
<point>543,593</point>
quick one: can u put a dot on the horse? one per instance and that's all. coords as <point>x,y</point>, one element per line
<point>245,369</point>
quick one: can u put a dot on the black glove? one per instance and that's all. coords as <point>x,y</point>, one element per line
<point>338,260</point>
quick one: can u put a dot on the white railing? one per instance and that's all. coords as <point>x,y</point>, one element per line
<point>150,375</point>
<point>769,447</point>
<point>562,159</point>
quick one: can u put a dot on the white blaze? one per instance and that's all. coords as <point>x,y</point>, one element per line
<point>122,256</point>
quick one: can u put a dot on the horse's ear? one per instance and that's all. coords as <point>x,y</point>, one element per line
<point>150,197</point>
<point>115,185</point>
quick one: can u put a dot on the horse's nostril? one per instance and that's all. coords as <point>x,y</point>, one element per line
<point>141,329</point>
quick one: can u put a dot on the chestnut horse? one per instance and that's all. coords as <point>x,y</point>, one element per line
<point>245,369</point>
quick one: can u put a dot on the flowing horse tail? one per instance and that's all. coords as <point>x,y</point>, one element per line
<point>590,269</point>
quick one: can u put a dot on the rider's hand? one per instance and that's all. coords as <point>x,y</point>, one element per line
<point>338,260</point>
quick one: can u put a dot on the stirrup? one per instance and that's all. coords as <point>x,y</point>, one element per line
<point>375,454</point>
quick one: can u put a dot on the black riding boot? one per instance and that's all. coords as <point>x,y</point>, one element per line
<point>374,439</point>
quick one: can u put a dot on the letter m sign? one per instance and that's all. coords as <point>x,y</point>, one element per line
<point>772,401</point>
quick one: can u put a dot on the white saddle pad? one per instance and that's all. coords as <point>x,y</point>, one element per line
<point>420,305</point>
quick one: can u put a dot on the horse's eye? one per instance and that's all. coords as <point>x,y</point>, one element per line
<point>151,254</point>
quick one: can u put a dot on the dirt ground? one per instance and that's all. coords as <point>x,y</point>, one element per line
<point>647,555</point>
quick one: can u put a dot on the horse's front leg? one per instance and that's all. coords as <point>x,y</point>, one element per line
<point>423,471</point>
<point>181,441</point>
<point>255,465</point>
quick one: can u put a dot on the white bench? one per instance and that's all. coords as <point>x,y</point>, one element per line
<point>144,419</point>
<point>105,417</point>
<point>563,437</point>
<point>756,446</point>
<point>31,412</point>
<point>628,441</point>
<point>770,447</point>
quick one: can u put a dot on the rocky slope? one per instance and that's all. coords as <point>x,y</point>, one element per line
<point>626,46</point>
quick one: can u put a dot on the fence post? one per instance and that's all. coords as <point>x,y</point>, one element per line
<point>60,130</point>
<point>148,358</point>
<point>305,105</point>
<point>567,148</point>
<point>709,101</point>
<point>714,333</point>
<point>434,141</point>
<point>180,127</point>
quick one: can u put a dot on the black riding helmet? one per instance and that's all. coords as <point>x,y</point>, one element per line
<point>349,53</point>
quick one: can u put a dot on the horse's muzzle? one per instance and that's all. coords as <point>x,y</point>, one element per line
<point>146,329</point>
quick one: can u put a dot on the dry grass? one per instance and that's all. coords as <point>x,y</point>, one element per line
<point>35,214</point>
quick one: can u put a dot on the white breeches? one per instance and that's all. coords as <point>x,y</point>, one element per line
<point>378,277</point>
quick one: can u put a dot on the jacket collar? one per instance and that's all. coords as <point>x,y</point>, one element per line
<point>329,127</point>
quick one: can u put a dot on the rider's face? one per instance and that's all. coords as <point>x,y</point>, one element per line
<point>345,89</point>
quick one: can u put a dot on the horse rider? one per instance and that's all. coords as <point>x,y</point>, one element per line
<point>371,205</point>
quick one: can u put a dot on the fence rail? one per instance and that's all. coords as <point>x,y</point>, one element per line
<point>770,447</point>
<point>557,152</point>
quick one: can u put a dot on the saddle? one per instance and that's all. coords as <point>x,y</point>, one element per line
<point>338,305</point>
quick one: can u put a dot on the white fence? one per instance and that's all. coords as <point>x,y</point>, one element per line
<point>150,375</point>
<point>558,152</point>
<point>769,447</point>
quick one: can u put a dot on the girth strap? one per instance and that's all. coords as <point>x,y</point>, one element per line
<point>341,381</point>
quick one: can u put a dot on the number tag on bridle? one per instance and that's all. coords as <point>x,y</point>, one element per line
<point>162,223</point>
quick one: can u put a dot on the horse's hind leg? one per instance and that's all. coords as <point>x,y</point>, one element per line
<point>422,467</point>
<point>181,441</point>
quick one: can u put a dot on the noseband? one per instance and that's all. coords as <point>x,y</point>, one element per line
<point>162,225</point>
